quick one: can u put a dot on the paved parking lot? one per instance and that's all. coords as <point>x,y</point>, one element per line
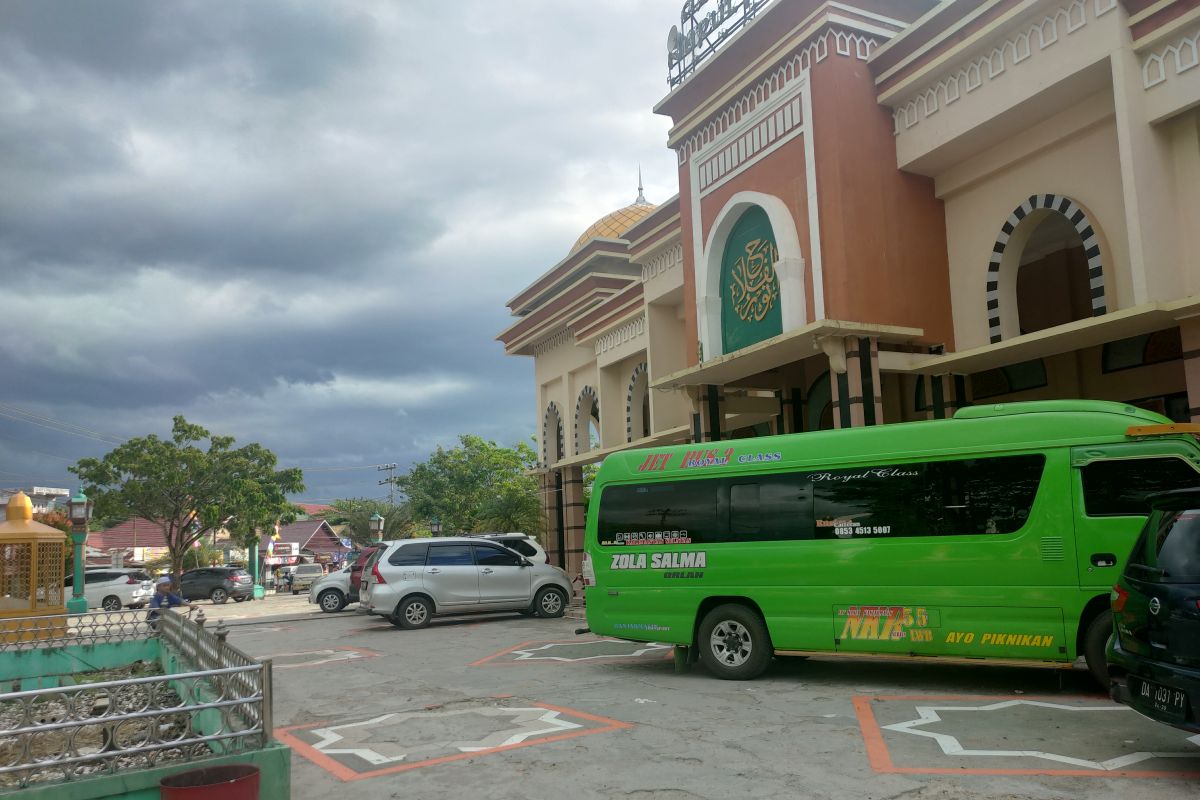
<point>507,706</point>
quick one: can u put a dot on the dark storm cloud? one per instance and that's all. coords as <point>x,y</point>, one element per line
<point>283,46</point>
<point>297,223</point>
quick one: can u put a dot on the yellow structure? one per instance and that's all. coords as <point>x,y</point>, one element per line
<point>31,584</point>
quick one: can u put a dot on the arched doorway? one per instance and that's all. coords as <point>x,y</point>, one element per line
<point>820,405</point>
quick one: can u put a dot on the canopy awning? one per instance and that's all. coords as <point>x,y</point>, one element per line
<point>1090,332</point>
<point>786,348</point>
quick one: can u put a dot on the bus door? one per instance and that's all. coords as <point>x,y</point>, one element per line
<point>1109,489</point>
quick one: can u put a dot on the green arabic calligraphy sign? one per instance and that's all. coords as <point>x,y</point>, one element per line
<point>749,286</point>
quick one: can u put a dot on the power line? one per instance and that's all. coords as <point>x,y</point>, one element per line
<point>341,469</point>
<point>50,423</point>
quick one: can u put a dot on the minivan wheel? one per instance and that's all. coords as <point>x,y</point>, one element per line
<point>550,602</point>
<point>111,603</point>
<point>1095,642</point>
<point>412,613</point>
<point>734,643</point>
<point>331,601</point>
<point>218,595</point>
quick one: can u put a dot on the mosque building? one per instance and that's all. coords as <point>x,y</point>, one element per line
<point>887,209</point>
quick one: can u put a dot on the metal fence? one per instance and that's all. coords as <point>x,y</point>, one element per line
<point>59,630</point>
<point>221,704</point>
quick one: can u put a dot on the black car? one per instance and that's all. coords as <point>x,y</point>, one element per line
<point>1154,655</point>
<point>217,584</point>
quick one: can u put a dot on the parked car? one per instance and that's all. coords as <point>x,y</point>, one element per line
<point>333,592</point>
<point>1154,654</point>
<point>305,575</point>
<point>356,570</point>
<point>411,580</point>
<point>112,589</point>
<point>218,584</point>
<point>523,543</point>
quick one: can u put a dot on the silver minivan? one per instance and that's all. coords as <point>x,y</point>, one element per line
<point>411,580</point>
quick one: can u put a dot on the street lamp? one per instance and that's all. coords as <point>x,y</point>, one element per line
<point>377,525</point>
<point>79,509</point>
<point>435,526</point>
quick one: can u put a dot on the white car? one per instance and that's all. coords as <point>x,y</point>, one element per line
<point>332,592</point>
<point>112,589</point>
<point>411,580</point>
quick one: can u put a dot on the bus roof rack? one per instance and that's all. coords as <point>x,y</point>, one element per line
<point>1172,429</point>
<point>985,410</point>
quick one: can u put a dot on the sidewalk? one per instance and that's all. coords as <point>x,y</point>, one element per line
<point>273,605</point>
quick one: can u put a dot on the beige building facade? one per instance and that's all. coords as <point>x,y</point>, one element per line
<point>886,210</point>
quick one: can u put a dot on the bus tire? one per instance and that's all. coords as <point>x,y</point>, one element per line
<point>1095,642</point>
<point>734,643</point>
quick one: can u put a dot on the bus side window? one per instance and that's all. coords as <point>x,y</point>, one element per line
<point>1118,488</point>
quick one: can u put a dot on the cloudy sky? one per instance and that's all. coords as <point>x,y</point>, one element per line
<point>298,222</point>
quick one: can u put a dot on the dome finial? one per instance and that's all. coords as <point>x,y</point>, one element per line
<point>641,198</point>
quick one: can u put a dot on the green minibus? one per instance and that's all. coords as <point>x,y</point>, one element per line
<point>992,536</point>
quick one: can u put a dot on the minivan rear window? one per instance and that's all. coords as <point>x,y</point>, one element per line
<point>409,555</point>
<point>1169,547</point>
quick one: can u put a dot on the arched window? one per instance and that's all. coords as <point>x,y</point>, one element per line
<point>637,404</point>
<point>587,420</point>
<point>1046,269</point>
<point>552,435</point>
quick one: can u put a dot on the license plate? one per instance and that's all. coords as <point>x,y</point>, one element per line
<point>1169,702</point>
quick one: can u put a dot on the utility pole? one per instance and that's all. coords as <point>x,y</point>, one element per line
<point>390,480</point>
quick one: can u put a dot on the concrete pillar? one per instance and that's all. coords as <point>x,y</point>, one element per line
<point>1189,332</point>
<point>862,381</point>
<point>555,539</point>
<point>573,509</point>
<point>708,414</point>
<point>791,410</point>
<point>945,394</point>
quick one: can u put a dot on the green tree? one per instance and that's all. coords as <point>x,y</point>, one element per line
<point>476,486</point>
<point>187,489</point>
<point>356,513</point>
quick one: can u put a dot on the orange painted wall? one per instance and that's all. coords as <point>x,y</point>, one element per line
<point>883,232</point>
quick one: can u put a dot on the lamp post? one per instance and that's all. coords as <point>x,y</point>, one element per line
<point>79,508</point>
<point>376,522</point>
<point>435,526</point>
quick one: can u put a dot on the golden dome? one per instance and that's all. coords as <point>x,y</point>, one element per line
<point>613,225</point>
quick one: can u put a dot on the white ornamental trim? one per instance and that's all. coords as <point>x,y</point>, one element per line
<point>844,44</point>
<point>619,336</point>
<point>662,263</point>
<point>1017,48</point>
<point>1182,55</point>
<point>553,342</point>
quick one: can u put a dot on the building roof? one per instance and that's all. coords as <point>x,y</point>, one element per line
<point>136,532</point>
<point>312,509</point>
<point>615,223</point>
<point>314,535</point>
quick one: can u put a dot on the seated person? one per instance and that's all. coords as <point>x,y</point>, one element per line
<point>163,597</point>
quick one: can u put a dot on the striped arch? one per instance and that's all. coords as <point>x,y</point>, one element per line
<point>552,430</point>
<point>586,407</point>
<point>639,385</point>
<point>1091,245</point>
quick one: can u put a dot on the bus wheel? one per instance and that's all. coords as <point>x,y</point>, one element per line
<point>1095,642</point>
<point>734,643</point>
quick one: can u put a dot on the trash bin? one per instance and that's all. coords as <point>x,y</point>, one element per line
<point>231,782</point>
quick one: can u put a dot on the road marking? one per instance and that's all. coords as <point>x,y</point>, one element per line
<point>880,757</point>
